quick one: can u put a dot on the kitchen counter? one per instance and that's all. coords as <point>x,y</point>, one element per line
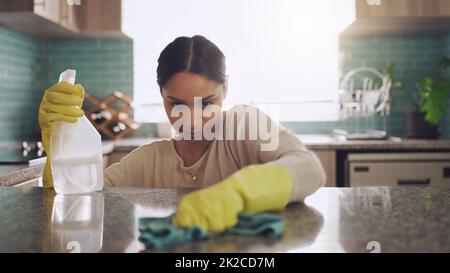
<point>321,142</point>
<point>386,219</point>
<point>14,174</point>
<point>327,142</point>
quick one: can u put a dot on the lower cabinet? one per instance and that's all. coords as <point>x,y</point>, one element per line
<point>328,159</point>
<point>114,158</point>
<point>398,169</point>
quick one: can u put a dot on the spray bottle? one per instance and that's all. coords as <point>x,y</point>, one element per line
<point>76,153</point>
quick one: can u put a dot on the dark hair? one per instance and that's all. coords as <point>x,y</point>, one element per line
<point>195,54</point>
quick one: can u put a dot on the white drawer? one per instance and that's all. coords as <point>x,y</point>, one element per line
<point>367,173</point>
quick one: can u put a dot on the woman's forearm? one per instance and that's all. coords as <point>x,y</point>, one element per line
<point>307,173</point>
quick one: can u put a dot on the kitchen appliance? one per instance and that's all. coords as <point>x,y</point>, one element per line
<point>398,169</point>
<point>364,93</point>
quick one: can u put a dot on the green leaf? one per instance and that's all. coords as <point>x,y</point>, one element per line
<point>426,85</point>
<point>434,99</point>
<point>390,71</point>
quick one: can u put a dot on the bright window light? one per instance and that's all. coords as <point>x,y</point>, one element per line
<point>277,51</point>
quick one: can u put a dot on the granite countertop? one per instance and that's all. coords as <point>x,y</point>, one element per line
<point>14,174</point>
<point>327,142</point>
<point>388,219</point>
<point>320,142</point>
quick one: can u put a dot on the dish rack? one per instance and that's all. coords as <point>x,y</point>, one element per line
<point>110,116</point>
<point>364,93</point>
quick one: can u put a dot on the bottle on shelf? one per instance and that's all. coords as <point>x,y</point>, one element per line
<point>117,127</point>
<point>101,116</point>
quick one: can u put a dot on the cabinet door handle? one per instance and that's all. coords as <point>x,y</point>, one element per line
<point>412,182</point>
<point>361,169</point>
<point>446,172</point>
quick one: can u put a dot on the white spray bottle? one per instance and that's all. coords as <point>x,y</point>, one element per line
<point>76,153</point>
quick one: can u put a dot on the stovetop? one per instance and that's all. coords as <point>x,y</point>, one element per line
<point>21,152</point>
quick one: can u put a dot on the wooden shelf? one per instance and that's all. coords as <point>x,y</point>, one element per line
<point>114,117</point>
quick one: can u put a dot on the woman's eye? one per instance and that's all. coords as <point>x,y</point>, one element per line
<point>205,103</point>
<point>176,103</point>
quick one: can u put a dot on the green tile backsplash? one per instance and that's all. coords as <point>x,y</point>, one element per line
<point>102,65</point>
<point>29,65</point>
<point>22,77</point>
<point>446,122</point>
<point>415,57</point>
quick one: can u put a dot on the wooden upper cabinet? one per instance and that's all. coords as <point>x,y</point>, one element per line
<point>49,9</point>
<point>42,18</point>
<point>400,17</point>
<point>68,16</point>
<point>402,8</point>
<point>63,18</point>
<point>101,18</point>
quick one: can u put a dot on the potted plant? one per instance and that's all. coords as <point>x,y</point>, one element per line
<point>430,103</point>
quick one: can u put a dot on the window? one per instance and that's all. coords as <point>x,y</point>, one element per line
<point>282,52</point>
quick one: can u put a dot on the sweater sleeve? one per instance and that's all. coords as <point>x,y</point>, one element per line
<point>282,148</point>
<point>129,171</point>
<point>306,169</point>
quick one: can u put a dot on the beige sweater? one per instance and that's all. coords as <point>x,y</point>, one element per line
<point>158,164</point>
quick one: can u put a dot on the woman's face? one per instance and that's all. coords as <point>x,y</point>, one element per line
<point>191,92</point>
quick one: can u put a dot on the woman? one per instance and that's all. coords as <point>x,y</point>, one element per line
<point>233,174</point>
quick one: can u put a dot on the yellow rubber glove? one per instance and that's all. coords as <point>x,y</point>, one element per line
<point>252,189</point>
<point>61,102</point>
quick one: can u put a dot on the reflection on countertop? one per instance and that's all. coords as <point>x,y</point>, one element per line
<point>77,223</point>
<point>385,219</point>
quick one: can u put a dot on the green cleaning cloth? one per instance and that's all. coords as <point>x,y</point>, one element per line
<point>160,233</point>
